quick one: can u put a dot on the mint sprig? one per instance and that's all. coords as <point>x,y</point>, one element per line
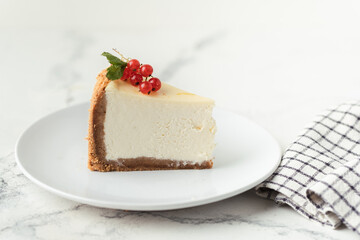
<point>116,70</point>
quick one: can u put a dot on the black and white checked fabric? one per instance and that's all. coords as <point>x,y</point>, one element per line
<point>319,175</point>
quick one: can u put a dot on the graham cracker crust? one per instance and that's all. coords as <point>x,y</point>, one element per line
<point>96,145</point>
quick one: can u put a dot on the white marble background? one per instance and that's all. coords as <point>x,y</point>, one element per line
<point>276,62</point>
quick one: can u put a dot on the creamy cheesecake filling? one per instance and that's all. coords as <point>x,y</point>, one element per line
<point>168,125</point>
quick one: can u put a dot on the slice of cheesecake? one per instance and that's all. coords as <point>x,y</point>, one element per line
<point>131,131</point>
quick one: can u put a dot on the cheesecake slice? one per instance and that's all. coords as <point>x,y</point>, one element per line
<point>131,131</point>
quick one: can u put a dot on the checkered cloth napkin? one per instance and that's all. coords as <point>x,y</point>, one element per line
<point>319,175</point>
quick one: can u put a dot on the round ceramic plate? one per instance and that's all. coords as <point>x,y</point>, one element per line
<point>53,154</point>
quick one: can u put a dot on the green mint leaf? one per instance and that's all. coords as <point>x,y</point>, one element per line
<point>113,60</point>
<point>115,71</point>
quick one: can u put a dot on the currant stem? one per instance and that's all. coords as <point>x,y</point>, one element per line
<point>122,56</point>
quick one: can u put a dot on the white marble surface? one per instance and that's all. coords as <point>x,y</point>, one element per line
<point>276,62</point>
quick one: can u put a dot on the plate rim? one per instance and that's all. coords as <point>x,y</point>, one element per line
<point>141,207</point>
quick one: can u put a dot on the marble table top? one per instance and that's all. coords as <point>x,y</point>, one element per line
<point>278,63</point>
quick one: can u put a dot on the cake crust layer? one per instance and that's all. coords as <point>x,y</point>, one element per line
<point>148,164</point>
<point>96,146</point>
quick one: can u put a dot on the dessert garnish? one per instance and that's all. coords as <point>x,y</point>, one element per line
<point>139,75</point>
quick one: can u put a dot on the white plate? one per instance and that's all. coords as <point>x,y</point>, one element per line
<point>53,154</point>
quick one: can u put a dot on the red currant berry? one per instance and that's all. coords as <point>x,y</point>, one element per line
<point>155,83</point>
<point>132,73</point>
<point>136,79</point>
<point>133,64</point>
<point>126,74</point>
<point>145,87</point>
<point>146,70</point>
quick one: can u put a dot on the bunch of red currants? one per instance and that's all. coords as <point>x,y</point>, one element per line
<point>140,75</point>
